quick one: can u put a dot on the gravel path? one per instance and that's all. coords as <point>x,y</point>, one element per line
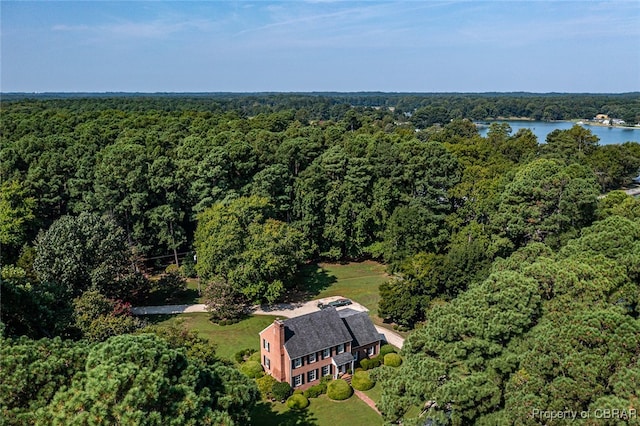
<point>287,310</point>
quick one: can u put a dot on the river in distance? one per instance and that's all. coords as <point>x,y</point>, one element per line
<point>608,135</point>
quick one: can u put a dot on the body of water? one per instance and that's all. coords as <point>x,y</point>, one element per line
<point>607,135</point>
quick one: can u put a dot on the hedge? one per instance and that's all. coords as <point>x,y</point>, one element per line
<point>252,369</point>
<point>361,381</point>
<point>297,402</point>
<point>392,360</point>
<point>339,390</point>
<point>386,349</point>
<point>265,384</point>
<point>281,390</point>
<point>316,390</point>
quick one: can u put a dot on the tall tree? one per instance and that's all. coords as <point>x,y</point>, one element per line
<point>84,252</point>
<point>544,200</point>
<point>257,255</point>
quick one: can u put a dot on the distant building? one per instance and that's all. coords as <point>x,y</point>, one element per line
<point>303,349</point>
<point>601,117</point>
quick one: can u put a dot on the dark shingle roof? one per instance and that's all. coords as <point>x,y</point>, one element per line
<point>313,332</point>
<point>343,358</point>
<point>361,328</point>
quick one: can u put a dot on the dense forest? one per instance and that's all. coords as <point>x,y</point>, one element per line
<point>520,283</point>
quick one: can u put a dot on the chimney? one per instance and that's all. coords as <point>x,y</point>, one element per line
<point>278,339</point>
<point>279,332</point>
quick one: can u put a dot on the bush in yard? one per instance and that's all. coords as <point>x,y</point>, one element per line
<point>324,380</point>
<point>265,384</point>
<point>243,355</point>
<point>315,390</point>
<point>297,392</point>
<point>297,402</point>
<point>339,390</point>
<point>376,361</point>
<point>252,369</point>
<point>365,364</point>
<point>361,381</point>
<point>392,360</point>
<point>386,349</point>
<point>281,390</point>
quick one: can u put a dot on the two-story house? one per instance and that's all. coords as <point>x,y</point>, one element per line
<point>303,349</point>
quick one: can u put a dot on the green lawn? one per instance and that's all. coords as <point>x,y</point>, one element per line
<point>356,280</point>
<point>322,412</point>
<point>375,393</point>
<point>228,339</point>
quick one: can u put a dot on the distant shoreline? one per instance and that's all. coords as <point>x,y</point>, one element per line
<point>575,121</point>
<point>617,126</point>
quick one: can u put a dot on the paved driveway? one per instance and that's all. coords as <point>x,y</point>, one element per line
<point>287,310</point>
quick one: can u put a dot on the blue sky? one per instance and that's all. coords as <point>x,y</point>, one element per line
<point>242,46</point>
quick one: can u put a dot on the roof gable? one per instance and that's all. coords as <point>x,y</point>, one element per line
<point>361,328</point>
<point>314,332</point>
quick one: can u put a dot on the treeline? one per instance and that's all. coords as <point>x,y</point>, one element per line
<point>441,107</point>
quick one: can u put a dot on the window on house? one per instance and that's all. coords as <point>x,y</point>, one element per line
<point>326,370</point>
<point>326,353</point>
<point>297,380</point>
<point>341,348</point>
<point>312,375</point>
<point>266,345</point>
<point>312,358</point>
<point>297,363</point>
<point>371,350</point>
<point>266,362</point>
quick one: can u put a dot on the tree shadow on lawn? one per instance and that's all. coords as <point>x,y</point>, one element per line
<point>187,296</point>
<point>310,281</point>
<point>157,319</point>
<point>263,415</point>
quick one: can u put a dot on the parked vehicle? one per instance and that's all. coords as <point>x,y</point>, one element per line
<point>335,303</point>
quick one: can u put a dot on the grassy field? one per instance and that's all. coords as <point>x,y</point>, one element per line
<point>357,280</point>
<point>322,412</point>
<point>228,339</point>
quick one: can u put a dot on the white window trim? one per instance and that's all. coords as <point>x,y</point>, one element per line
<point>297,363</point>
<point>340,348</point>
<point>371,350</point>
<point>326,353</point>
<point>326,368</point>
<point>311,360</point>
<point>313,373</point>
<point>296,379</point>
<point>266,345</point>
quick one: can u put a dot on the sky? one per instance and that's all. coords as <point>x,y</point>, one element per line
<point>321,45</point>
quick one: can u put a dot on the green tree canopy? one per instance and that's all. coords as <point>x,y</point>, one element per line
<point>84,252</point>
<point>139,379</point>
<point>255,254</point>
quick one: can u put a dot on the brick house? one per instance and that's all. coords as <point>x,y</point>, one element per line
<point>303,349</point>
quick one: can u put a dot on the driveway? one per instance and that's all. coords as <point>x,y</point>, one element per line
<point>287,310</point>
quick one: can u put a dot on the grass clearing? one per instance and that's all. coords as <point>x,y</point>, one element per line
<point>354,280</point>
<point>321,411</point>
<point>228,339</point>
